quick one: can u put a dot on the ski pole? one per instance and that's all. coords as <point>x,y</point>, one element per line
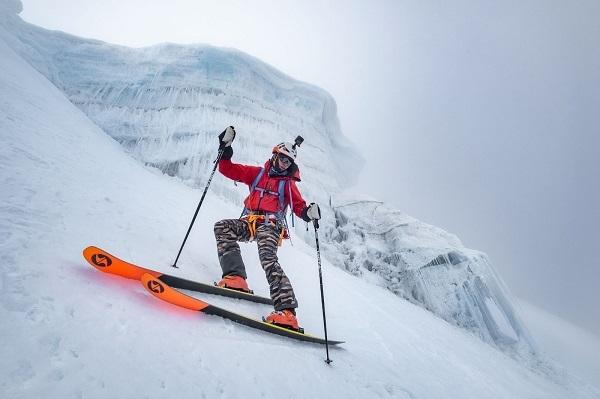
<point>316,225</point>
<point>199,205</point>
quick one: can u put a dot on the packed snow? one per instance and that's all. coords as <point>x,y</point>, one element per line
<point>572,346</point>
<point>165,104</point>
<point>70,331</point>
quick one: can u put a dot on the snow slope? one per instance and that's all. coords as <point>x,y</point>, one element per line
<point>69,331</point>
<point>575,348</point>
<point>166,103</point>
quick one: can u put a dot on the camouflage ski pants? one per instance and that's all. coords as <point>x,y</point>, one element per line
<point>229,231</point>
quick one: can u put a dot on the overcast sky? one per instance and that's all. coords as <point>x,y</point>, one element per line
<point>481,117</point>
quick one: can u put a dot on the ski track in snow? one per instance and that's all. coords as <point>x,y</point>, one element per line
<point>72,332</point>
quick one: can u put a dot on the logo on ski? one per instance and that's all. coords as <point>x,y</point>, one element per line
<point>101,260</point>
<point>155,287</point>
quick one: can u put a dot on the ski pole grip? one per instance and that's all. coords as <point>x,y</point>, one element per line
<point>316,223</point>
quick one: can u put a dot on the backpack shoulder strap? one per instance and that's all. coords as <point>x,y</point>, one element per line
<point>281,192</point>
<point>252,187</point>
<point>257,179</point>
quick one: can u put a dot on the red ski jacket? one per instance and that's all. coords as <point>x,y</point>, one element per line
<point>269,201</point>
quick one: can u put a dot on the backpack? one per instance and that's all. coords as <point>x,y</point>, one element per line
<point>280,215</point>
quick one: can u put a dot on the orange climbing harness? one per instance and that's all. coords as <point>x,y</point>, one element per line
<point>253,218</point>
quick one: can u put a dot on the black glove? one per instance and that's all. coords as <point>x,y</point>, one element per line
<point>311,212</point>
<point>227,153</point>
<point>226,138</point>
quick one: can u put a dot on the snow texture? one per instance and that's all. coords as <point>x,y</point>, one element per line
<point>69,331</point>
<point>165,105</point>
<point>10,7</point>
<point>571,345</point>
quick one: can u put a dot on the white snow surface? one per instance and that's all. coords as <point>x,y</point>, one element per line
<point>71,331</point>
<point>165,104</point>
<point>574,347</point>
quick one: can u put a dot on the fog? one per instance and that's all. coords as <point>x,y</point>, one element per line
<point>480,117</point>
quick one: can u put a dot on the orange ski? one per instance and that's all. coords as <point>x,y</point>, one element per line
<point>108,263</point>
<point>171,295</point>
<point>162,291</point>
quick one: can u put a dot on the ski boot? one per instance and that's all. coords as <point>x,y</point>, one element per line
<point>233,282</point>
<point>285,318</point>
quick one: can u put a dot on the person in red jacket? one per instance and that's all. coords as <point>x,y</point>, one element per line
<point>272,189</point>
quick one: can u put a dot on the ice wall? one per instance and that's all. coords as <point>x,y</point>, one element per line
<point>427,266</point>
<point>165,104</point>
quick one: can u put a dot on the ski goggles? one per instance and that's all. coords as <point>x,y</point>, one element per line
<point>285,161</point>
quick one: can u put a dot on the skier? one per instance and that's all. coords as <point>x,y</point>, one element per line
<point>272,189</point>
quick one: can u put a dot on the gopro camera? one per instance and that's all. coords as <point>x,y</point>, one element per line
<point>299,140</point>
